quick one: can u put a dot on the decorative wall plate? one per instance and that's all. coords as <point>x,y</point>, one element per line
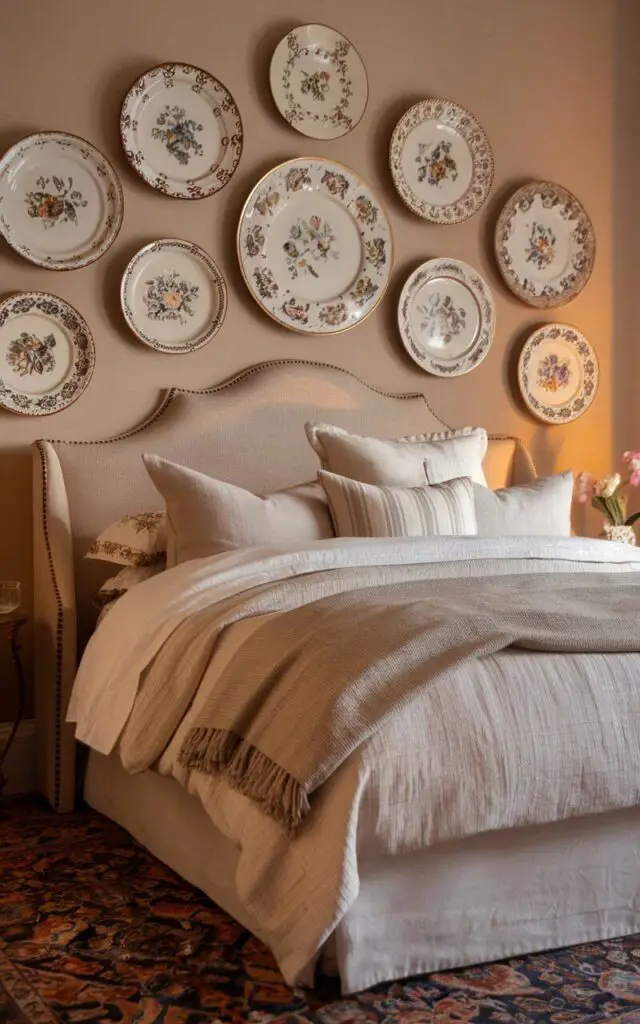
<point>315,246</point>
<point>446,317</point>
<point>441,161</point>
<point>558,373</point>
<point>545,245</point>
<point>61,202</point>
<point>318,82</point>
<point>181,131</point>
<point>47,354</point>
<point>173,296</point>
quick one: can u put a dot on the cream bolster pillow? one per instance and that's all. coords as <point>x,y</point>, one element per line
<point>542,508</point>
<point>207,516</point>
<point>364,510</point>
<point>402,463</point>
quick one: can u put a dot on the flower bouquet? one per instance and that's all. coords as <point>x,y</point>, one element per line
<point>606,495</point>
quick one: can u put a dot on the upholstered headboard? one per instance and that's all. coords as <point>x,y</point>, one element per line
<point>247,430</point>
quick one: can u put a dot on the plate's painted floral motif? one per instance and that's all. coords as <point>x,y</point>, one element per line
<point>436,163</point>
<point>541,251</point>
<point>316,249</point>
<point>554,373</point>
<point>29,354</point>
<point>178,132</point>
<point>441,318</point>
<point>309,242</point>
<point>170,297</point>
<point>324,101</point>
<point>55,206</point>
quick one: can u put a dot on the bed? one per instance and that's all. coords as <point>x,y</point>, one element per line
<point>469,900</point>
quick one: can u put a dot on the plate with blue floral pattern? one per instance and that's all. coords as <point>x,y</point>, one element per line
<point>181,131</point>
<point>558,373</point>
<point>173,296</point>
<point>47,354</point>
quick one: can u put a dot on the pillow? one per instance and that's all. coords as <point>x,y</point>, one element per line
<point>542,508</point>
<point>206,516</point>
<point>124,580</point>
<point>363,510</point>
<point>136,540</point>
<point>401,463</point>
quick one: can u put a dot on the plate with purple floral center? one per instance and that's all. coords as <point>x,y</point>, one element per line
<point>545,245</point>
<point>558,373</point>
<point>315,246</point>
<point>61,202</point>
<point>47,354</point>
<point>173,296</point>
<point>181,131</point>
<point>441,161</point>
<point>319,82</point>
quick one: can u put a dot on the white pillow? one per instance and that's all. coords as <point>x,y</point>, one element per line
<point>206,516</point>
<point>542,508</point>
<point>363,510</point>
<point>402,463</point>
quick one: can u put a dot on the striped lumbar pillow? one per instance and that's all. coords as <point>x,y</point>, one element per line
<point>363,510</point>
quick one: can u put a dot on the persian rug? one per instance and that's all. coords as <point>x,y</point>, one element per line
<point>94,929</point>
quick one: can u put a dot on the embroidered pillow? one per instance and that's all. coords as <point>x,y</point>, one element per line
<point>126,579</point>
<point>402,463</point>
<point>137,540</point>
<point>542,508</point>
<point>364,510</point>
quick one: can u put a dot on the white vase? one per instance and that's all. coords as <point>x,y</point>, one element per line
<point>621,534</point>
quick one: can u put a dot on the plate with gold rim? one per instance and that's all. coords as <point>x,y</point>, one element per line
<point>47,354</point>
<point>61,202</point>
<point>545,244</point>
<point>318,82</point>
<point>315,246</point>
<point>173,296</point>
<point>181,131</point>
<point>558,373</point>
<point>441,161</point>
<point>446,317</point>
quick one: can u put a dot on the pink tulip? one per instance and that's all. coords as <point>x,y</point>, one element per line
<point>631,457</point>
<point>634,479</point>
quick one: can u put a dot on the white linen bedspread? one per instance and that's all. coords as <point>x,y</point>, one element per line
<point>515,739</point>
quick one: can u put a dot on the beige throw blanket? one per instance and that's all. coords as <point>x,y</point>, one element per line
<point>313,683</point>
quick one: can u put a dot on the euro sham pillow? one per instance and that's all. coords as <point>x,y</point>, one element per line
<point>542,508</point>
<point>402,463</point>
<point>207,516</point>
<point>136,540</point>
<point>432,510</point>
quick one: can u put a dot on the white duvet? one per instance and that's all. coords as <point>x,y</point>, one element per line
<point>510,740</point>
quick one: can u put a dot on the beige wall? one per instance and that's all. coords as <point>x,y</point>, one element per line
<point>538,74</point>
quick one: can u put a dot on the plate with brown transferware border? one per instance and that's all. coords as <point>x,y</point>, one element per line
<point>558,373</point>
<point>181,131</point>
<point>319,82</point>
<point>446,317</point>
<point>315,246</point>
<point>173,296</point>
<point>61,202</point>
<point>441,161</point>
<point>47,354</point>
<point>545,244</point>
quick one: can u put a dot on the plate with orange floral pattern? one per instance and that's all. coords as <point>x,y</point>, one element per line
<point>558,373</point>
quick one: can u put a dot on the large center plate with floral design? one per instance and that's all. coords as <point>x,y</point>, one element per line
<point>441,161</point>
<point>181,131</point>
<point>558,373</point>
<point>47,354</point>
<point>446,317</point>
<point>61,202</point>
<point>319,82</point>
<point>173,296</point>
<point>545,245</point>
<point>314,246</point>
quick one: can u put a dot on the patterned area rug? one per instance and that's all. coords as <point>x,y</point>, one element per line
<point>93,929</point>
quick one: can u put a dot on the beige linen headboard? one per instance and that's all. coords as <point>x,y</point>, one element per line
<point>247,430</point>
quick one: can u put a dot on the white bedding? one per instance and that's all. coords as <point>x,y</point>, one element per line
<point>516,739</point>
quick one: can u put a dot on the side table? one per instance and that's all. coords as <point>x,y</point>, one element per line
<point>10,626</point>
